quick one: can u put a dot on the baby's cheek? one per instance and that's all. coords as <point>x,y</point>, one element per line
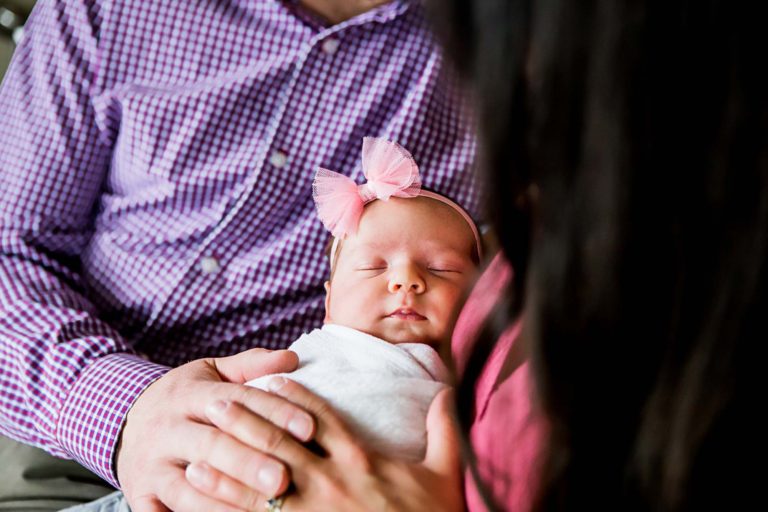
<point>454,293</point>
<point>454,303</point>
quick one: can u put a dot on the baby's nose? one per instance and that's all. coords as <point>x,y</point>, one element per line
<point>407,281</point>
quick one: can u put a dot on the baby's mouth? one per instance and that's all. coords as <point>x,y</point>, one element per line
<point>406,314</point>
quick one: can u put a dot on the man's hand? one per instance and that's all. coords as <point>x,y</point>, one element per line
<point>167,429</point>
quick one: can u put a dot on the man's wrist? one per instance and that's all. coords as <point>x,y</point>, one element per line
<point>93,414</point>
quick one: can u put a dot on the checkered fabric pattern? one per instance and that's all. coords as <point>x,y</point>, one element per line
<point>156,159</point>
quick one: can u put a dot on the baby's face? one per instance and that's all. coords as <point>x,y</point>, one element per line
<point>402,275</point>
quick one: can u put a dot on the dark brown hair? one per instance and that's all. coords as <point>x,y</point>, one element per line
<point>642,273</point>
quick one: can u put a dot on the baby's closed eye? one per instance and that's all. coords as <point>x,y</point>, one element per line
<point>378,265</point>
<point>443,268</point>
<point>447,266</point>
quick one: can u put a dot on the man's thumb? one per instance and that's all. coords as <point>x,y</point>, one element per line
<point>254,363</point>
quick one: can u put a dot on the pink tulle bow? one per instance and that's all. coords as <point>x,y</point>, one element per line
<point>390,171</point>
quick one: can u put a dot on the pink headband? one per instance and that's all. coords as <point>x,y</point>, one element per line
<point>391,171</point>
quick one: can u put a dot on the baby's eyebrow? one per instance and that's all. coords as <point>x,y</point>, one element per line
<point>438,246</point>
<point>367,248</point>
<point>452,261</point>
<point>374,243</point>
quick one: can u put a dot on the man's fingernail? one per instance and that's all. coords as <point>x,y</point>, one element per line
<point>300,426</point>
<point>218,407</point>
<point>270,475</point>
<point>197,473</point>
<point>276,383</point>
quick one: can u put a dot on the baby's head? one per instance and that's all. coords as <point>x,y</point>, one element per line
<point>402,275</point>
<point>402,257</point>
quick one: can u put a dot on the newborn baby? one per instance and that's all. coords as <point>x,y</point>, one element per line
<point>401,261</point>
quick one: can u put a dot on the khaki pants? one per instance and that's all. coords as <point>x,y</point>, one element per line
<point>31,480</point>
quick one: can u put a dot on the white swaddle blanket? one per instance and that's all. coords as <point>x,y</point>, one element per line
<point>382,391</point>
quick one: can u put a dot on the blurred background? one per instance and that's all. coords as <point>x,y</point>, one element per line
<point>13,14</point>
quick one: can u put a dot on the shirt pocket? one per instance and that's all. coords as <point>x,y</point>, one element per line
<point>187,137</point>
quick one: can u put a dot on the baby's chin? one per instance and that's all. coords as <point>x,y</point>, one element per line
<point>405,333</point>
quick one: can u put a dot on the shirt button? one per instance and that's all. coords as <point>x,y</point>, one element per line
<point>330,46</point>
<point>278,159</point>
<point>209,265</point>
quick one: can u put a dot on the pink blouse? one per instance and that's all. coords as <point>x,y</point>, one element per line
<point>505,434</point>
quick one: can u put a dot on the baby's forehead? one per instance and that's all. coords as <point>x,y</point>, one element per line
<point>385,244</point>
<point>419,220</point>
<point>427,246</point>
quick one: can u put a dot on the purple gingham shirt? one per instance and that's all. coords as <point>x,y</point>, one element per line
<point>156,159</point>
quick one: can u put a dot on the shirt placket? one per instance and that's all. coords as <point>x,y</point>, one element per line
<point>204,277</point>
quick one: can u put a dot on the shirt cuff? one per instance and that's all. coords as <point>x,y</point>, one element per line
<point>89,425</point>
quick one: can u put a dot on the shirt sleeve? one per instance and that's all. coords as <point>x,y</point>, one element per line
<point>67,379</point>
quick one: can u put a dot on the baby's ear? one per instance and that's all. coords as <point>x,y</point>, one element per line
<point>327,286</point>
